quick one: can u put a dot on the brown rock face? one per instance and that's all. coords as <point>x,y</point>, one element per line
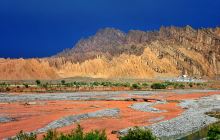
<point>169,52</point>
<point>30,69</point>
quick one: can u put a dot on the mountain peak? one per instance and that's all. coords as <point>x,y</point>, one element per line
<point>110,33</point>
<point>171,51</point>
<point>111,42</point>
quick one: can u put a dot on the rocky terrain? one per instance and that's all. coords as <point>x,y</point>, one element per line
<point>69,120</point>
<point>111,53</point>
<point>91,96</point>
<point>193,119</point>
<point>147,106</point>
<point>170,114</point>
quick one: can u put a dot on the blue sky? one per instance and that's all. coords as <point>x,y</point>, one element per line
<point>40,28</point>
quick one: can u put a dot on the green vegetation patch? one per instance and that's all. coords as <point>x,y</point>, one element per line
<point>77,134</point>
<point>214,133</point>
<point>136,86</point>
<point>159,86</point>
<point>138,134</point>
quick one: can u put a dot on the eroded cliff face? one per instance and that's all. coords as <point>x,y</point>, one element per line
<point>146,65</point>
<point>111,53</point>
<point>29,69</point>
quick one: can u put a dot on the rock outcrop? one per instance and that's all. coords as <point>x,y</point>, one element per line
<point>26,69</point>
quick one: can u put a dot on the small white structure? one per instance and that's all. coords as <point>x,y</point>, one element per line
<point>186,78</point>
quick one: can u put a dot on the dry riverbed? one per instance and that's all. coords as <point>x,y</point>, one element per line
<point>167,113</point>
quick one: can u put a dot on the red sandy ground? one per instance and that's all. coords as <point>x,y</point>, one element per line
<point>32,117</point>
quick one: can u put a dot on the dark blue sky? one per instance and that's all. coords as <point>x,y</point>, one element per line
<point>39,28</point>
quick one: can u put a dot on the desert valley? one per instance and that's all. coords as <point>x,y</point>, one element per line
<point>111,53</point>
<point>165,81</point>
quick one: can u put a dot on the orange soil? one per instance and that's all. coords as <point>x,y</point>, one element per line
<point>173,96</point>
<point>32,117</point>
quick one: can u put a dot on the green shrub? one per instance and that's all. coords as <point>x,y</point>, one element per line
<point>63,82</point>
<point>82,83</point>
<point>76,134</point>
<point>117,84</point>
<point>26,85</point>
<point>145,85</point>
<point>51,135</point>
<point>159,86</point>
<point>95,83</point>
<point>138,134</point>
<point>176,85</point>
<point>136,86</point>
<point>214,133</point>
<point>126,84</point>
<point>179,85</point>
<point>69,84</point>
<point>106,84</point>
<point>77,84</point>
<point>45,85</point>
<point>169,83</point>
<point>95,135</point>
<point>4,84</point>
<point>190,84</point>
<point>24,136</point>
<point>38,82</point>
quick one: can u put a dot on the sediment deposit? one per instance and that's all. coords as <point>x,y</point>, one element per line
<point>179,111</point>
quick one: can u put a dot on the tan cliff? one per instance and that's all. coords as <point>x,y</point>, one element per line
<point>130,66</point>
<point>25,69</point>
<point>110,53</point>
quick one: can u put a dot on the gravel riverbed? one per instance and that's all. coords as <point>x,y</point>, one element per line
<point>147,106</point>
<point>191,120</point>
<point>105,95</point>
<point>69,120</point>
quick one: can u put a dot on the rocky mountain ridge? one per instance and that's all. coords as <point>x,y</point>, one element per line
<point>111,53</point>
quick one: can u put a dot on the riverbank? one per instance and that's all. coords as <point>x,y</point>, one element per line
<point>88,86</point>
<point>191,120</point>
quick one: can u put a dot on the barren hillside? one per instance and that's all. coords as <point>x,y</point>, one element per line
<point>29,69</point>
<point>111,53</point>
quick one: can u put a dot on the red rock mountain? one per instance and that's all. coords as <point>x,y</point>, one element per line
<point>111,53</point>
